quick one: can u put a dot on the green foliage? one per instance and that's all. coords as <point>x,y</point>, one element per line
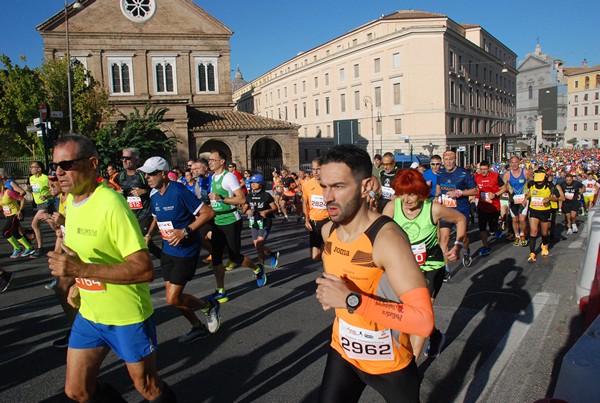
<point>21,91</point>
<point>572,141</point>
<point>140,130</point>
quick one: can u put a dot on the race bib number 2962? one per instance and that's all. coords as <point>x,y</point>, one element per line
<point>363,344</point>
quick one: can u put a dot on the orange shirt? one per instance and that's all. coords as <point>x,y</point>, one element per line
<point>312,196</point>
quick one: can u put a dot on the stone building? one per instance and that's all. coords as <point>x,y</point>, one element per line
<point>408,81</point>
<point>172,54</point>
<point>584,105</point>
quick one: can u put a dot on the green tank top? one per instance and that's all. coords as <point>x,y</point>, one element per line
<point>422,234</point>
<point>225,213</point>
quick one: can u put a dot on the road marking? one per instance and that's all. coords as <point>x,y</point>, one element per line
<point>501,356</point>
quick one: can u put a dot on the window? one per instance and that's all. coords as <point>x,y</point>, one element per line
<point>303,86</point>
<point>596,95</point>
<point>304,109</point>
<point>576,98</point>
<point>461,95</point>
<point>327,105</point>
<point>343,102</point>
<point>278,94</point>
<point>452,126</point>
<point>396,60</point>
<point>121,75</point>
<point>295,111</point>
<point>587,83</point>
<point>596,110</point>
<point>316,107</point>
<point>530,89</point>
<point>574,111</point>
<point>451,60</point>
<point>398,126</point>
<point>471,97</point>
<point>585,126</point>
<point>207,77</point>
<point>576,84</point>
<point>356,100</point>
<point>585,111</point>
<point>316,82</point>
<point>585,97</point>
<point>596,126</point>
<point>326,79</point>
<point>452,93</point>
<point>397,99</point>
<point>295,89</point>
<point>138,11</point>
<point>378,128</point>
<point>377,65</point>
<point>575,127</point>
<point>356,71</point>
<point>377,96</point>
<point>165,75</point>
<point>342,74</point>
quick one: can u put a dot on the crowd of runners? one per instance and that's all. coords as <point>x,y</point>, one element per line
<point>387,238</point>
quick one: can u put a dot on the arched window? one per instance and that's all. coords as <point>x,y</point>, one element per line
<point>530,92</point>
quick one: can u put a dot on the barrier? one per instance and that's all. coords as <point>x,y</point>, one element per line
<point>592,308</point>
<point>589,263</point>
<point>578,377</point>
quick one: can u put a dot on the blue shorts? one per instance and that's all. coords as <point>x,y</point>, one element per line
<point>130,342</point>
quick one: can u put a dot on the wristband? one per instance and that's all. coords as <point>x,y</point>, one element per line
<point>459,243</point>
<point>458,193</point>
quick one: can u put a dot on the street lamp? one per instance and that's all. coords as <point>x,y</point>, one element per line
<point>76,6</point>
<point>431,148</point>
<point>369,102</point>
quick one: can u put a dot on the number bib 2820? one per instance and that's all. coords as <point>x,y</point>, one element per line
<point>362,344</point>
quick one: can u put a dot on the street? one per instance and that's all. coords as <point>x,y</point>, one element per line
<point>508,324</point>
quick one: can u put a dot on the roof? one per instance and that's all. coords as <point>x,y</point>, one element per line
<point>229,120</point>
<point>573,71</point>
<point>412,14</point>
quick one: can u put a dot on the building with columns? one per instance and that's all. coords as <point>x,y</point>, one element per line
<point>541,102</point>
<point>411,80</point>
<point>584,104</point>
<point>171,54</point>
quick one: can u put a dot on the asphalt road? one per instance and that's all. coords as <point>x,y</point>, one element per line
<point>508,325</point>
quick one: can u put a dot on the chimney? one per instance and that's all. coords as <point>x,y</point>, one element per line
<point>584,63</point>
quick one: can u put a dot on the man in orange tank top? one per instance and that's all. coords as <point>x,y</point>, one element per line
<point>374,284</point>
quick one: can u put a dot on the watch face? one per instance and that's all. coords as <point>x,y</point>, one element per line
<point>353,300</point>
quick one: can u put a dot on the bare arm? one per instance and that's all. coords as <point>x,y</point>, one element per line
<point>388,210</point>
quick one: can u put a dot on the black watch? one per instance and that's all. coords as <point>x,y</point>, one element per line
<point>186,232</point>
<point>353,301</point>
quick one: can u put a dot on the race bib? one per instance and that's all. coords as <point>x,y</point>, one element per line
<point>362,344</point>
<point>569,195</point>
<point>317,202</point>
<point>448,201</point>
<point>35,187</point>
<point>420,252</point>
<point>165,228</point>
<point>485,196</point>
<point>90,285</point>
<point>518,199</point>
<point>6,210</point>
<point>537,202</point>
<point>387,192</point>
<point>134,202</point>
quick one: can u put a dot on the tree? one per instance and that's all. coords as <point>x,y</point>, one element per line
<point>21,91</point>
<point>572,141</point>
<point>140,130</point>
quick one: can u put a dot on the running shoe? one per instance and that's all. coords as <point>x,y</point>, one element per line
<point>517,241</point>
<point>5,280</point>
<point>436,344</point>
<point>467,259</point>
<point>532,258</point>
<point>274,260</point>
<point>569,231</point>
<point>447,275</point>
<point>583,213</point>
<point>286,219</point>
<point>51,285</point>
<point>29,252</point>
<point>230,266</point>
<point>16,253</point>
<point>499,234</point>
<point>196,333</point>
<point>35,254</point>
<point>575,229</point>
<point>484,251</point>
<point>545,251</point>
<point>524,241</point>
<point>213,316</point>
<point>207,259</point>
<point>63,342</point>
<point>219,296</point>
<point>261,276</point>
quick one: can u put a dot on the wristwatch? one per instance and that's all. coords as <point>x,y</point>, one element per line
<point>353,301</point>
<point>186,232</point>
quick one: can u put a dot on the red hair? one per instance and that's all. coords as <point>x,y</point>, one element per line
<point>410,181</point>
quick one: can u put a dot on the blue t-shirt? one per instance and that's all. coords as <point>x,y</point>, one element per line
<point>8,184</point>
<point>431,177</point>
<point>202,188</point>
<point>176,209</point>
<point>460,179</point>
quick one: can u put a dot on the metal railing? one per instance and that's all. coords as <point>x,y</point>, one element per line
<point>18,167</point>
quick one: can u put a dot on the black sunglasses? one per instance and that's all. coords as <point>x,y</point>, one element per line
<point>66,165</point>
<point>153,173</point>
<point>126,158</point>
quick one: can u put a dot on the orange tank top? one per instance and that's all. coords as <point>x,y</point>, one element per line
<point>372,348</point>
<point>312,193</point>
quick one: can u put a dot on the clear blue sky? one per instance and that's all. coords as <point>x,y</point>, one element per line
<point>269,32</point>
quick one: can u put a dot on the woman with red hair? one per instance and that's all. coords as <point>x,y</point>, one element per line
<point>418,216</point>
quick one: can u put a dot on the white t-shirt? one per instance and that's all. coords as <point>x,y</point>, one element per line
<point>589,186</point>
<point>230,182</point>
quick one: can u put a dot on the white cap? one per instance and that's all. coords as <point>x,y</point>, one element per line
<point>414,165</point>
<point>153,164</point>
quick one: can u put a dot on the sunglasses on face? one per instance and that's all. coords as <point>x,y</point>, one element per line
<point>66,165</point>
<point>125,158</point>
<point>436,163</point>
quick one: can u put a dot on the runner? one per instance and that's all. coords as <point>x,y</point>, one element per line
<point>369,268</point>
<point>111,171</point>
<point>40,189</point>
<point>13,202</point>
<point>177,213</point>
<point>418,216</point>
<point>454,186</point>
<point>259,208</point>
<point>491,187</point>
<point>225,194</point>
<point>591,190</point>
<point>314,210</point>
<point>517,178</point>
<point>288,198</point>
<point>107,256</point>
<point>431,174</point>
<point>540,194</point>
<point>570,205</point>
<point>386,177</point>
